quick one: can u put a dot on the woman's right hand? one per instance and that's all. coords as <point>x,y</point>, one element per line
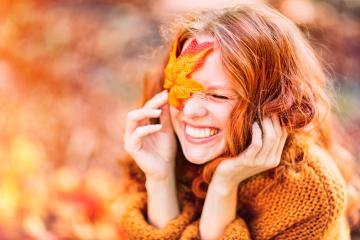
<point>153,146</point>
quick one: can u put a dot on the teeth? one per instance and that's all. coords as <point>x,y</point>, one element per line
<point>200,132</point>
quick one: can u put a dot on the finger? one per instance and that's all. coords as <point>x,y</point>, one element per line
<point>141,132</point>
<point>158,100</point>
<point>269,141</point>
<point>277,126</point>
<point>280,148</point>
<point>272,155</point>
<point>256,141</point>
<point>165,118</point>
<point>134,117</point>
<point>278,133</point>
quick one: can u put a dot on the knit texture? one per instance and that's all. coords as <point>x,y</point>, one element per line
<point>303,198</point>
<point>178,70</point>
<point>237,229</point>
<point>137,227</point>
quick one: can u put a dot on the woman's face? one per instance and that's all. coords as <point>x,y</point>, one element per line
<point>201,123</point>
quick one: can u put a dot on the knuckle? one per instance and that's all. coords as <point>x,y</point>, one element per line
<point>269,164</point>
<point>127,147</point>
<point>278,131</point>
<point>136,134</point>
<point>256,145</point>
<point>249,154</point>
<point>277,158</point>
<point>130,115</point>
<point>272,164</point>
<point>270,136</point>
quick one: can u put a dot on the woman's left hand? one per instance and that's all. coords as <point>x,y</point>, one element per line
<point>263,153</point>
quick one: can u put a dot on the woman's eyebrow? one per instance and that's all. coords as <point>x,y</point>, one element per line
<point>220,88</point>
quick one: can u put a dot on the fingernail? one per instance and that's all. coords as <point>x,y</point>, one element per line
<point>158,111</point>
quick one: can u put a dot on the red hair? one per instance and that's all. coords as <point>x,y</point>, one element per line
<point>274,71</point>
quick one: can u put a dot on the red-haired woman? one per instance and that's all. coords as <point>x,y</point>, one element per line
<point>232,139</point>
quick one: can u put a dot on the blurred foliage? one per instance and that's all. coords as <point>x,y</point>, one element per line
<point>69,72</point>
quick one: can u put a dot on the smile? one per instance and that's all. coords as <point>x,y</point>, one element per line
<point>200,134</point>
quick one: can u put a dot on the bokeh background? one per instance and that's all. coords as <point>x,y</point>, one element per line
<point>69,72</point>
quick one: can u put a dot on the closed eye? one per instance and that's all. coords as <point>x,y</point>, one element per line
<point>219,96</point>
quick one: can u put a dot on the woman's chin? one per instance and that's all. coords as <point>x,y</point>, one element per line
<point>198,158</point>
<point>201,155</point>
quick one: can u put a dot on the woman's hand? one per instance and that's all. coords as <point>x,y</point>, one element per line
<point>263,153</point>
<point>153,146</point>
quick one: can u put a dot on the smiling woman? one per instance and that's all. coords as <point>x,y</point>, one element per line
<point>200,124</point>
<point>233,140</point>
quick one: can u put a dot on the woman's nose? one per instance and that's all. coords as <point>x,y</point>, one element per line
<point>194,107</point>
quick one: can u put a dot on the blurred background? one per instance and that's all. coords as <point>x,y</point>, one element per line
<point>69,72</point>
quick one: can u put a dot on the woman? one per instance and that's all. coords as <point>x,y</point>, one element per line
<point>231,142</point>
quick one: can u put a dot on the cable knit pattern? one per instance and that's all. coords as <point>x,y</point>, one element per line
<point>303,198</point>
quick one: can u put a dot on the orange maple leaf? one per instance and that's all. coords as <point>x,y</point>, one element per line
<point>178,70</point>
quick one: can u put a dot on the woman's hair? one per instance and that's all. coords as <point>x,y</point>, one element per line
<point>272,68</point>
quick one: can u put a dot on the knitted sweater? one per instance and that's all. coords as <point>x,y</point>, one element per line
<point>303,198</point>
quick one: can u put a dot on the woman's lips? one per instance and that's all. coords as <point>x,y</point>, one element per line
<point>199,140</point>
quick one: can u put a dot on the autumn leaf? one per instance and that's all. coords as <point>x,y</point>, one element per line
<point>178,71</point>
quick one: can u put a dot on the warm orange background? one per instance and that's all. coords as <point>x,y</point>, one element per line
<point>69,72</point>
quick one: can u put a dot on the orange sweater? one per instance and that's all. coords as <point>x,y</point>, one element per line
<point>303,198</point>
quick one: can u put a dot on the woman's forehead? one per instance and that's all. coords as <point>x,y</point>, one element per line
<point>211,73</point>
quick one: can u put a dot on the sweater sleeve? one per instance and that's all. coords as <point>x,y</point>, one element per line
<point>236,230</point>
<point>135,225</point>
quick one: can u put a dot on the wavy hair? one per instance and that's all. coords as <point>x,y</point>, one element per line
<point>274,71</point>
